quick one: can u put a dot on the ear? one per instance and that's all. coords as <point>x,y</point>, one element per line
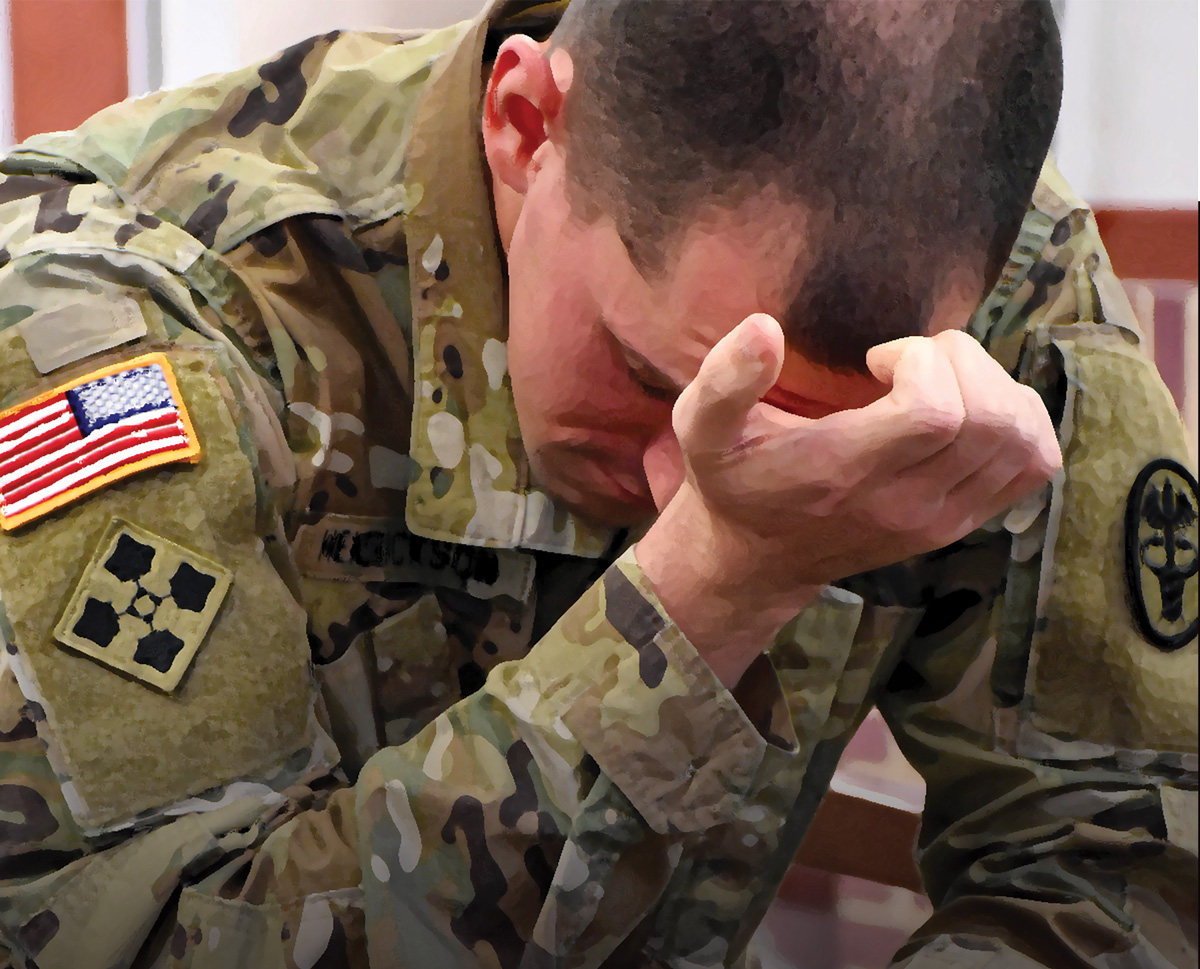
<point>522,110</point>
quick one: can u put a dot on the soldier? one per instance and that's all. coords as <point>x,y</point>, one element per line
<point>328,640</point>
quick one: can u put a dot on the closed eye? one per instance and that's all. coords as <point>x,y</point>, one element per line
<point>652,385</point>
<point>649,379</point>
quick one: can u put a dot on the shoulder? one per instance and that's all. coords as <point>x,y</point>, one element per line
<point>1058,273</point>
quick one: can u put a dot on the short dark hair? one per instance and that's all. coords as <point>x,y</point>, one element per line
<point>917,128</point>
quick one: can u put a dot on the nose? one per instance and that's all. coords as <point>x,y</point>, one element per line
<point>664,466</point>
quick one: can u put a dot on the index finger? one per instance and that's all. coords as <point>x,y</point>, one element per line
<point>921,414</point>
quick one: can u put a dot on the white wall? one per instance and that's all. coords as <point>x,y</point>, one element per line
<point>197,38</point>
<point>219,35</point>
<point>1128,130</point>
<point>265,26</point>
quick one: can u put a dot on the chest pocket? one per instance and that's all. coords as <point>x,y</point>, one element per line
<point>403,627</point>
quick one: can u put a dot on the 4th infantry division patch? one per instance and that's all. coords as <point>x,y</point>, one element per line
<point>143,606</point>
<point>88,433</point>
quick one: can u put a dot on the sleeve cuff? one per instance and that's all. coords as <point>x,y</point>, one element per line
<point>635,693</point>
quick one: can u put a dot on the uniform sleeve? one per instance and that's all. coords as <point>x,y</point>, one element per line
<point>547,814</point>
<point>607,771</point>
<point>1049,695</point>
<point>156,693</point>
<point>554,814</point>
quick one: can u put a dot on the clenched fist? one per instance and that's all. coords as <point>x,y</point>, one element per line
<point>760,507</point>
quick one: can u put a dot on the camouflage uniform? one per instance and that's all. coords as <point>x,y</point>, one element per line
<point>405,778</point>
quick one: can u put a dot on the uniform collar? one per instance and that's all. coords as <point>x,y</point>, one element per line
<point>470,471</point>
<point>1058,233</point>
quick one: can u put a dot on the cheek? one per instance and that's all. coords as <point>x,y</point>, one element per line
<point>547,310</point>
<point>566,369</point>
<point>548,345</point>
<point>556,346</point>
<point>595,387</point>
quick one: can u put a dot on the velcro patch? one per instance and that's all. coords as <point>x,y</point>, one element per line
<point>57,337</point>
<point>88,433</point>
<point>143,605</point>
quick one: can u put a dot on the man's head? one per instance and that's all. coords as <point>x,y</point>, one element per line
<point>664,168</point>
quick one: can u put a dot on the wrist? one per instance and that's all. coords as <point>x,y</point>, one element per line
<point>715,586</point>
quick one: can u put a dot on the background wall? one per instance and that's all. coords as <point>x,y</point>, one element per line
<point>1128,126</point>
<point>6,100</point>
<point>1128,132</point>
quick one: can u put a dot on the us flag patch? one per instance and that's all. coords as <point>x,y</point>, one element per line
<point>88,433</point>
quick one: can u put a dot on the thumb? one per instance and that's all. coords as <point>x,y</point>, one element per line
<point>711,412</point>
<point>882,358</point>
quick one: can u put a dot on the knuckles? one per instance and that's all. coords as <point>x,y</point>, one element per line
<point>936,423</point>
<point>959,340</point>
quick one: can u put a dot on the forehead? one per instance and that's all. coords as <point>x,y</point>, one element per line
<point>732,262</point>
<point>719,266</point>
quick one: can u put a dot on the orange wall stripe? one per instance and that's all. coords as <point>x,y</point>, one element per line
<point>853,836</point>
<point>1150,243</point>
<point>68,61</point>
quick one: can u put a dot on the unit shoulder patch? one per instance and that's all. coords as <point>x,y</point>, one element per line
<point>1160,553</point>
<point>143,605</point>
<point>91,432</point>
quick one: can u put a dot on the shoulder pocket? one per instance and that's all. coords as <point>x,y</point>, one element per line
<point>228,695</point>
<point>1097,680</point>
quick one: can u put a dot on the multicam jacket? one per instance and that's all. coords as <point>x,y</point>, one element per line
<point>316,677</point>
